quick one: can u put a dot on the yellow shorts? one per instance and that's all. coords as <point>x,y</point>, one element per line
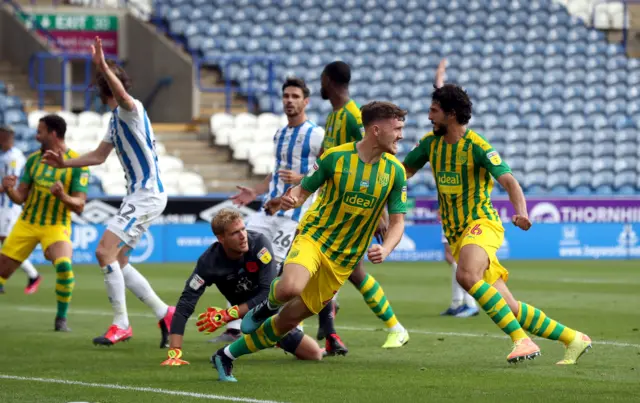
<point>24,238</point>
<point>488,235</point>
<point>326,276</point>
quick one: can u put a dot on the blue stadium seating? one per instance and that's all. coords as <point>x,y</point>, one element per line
<point>559,89</point>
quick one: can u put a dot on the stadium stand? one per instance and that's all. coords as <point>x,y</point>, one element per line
<point>545,85</point>
<point>84,131</point>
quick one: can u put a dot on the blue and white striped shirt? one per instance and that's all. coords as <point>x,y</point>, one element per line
<point>135,143</point>
<point>11,163</point>
<point>296,149</point>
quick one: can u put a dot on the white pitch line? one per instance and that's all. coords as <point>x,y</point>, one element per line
<point>137,389</point>
<point>350,328</point>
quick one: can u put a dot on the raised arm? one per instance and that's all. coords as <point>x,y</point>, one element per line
<point>122,97</point>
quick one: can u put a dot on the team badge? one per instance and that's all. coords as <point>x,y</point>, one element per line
<point>84,179</point>
<point>294,253</point>
<point>196,282</point>
<point>383,179</point>
<point>364,184</point>
<point>362,131</point>
<point>264,256</point>
<point>252,267</point>
<point>494,157</point>
<point>461,158</point>
<point>14,164</point>
<point>404,194</point>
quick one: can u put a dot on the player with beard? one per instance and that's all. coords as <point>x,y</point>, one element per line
<point>463,163</point>
<point>297,145</point>
<point>49,195</point>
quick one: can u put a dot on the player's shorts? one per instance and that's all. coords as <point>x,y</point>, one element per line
<point>137,211</point>
<point>24,238</point>
<point>488,235</point>
<point>8,218</point>
<point>326,276</point>
<point>279,230</point>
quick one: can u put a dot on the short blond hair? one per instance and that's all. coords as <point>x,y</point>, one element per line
<point>223,218</point>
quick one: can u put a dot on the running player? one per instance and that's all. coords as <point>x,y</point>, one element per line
<point>344,125</point>
<point>463,163</point>
<point>49,195</point>
<point>462,304</point>
<point>360,179</point>
<point>241,266</point>
<point>11,163</point>
<point>297,146</point>
<point>131,135</point>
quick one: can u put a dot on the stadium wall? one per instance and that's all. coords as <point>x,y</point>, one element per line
<point>152,57</point>
<point>18,44</point>
<point>581,229</point>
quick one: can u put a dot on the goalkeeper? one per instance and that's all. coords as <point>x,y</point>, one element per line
<point>241,266</point>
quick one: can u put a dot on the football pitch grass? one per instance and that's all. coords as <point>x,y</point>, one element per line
<point>447,359</point>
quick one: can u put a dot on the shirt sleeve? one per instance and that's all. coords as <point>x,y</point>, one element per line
<point>80,180</point>
<point>355,129</point>
<point>397,201</point>
<point>419,156</point>
<point>490,159</point>
<point>26,175</point>
<point>193,290</point>
<point>319,174</point>
<point>268,270</point>
<point>108,136</point>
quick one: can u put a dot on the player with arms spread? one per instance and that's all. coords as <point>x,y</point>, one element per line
<point>11,164</point>
<point>344,125</point>
<point>463,163</point>
<point>297,145</point>
<point>241,266</point>
<point>360,179</point>
<point>132,137</point>
<point>49,196</point>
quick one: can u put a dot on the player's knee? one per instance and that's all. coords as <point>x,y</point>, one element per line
<point>104,255</point>
<point>467,278</point>
<point>287,290</point>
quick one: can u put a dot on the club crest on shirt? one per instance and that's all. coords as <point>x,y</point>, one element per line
<point>403,197</point>
<point>196,282</point>
<point>461,158</point>
<point>84,179</point>
<point>364,184</point>
<point>264,255</point>
<point>14,164</point>
<point>383,179</point>
<point>494,157</point>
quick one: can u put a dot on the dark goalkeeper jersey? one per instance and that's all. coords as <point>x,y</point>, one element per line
<point>245,280</point>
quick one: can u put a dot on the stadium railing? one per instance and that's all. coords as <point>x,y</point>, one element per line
<point>625,15</point>
<point>251,91</point>
<point>37,78</point>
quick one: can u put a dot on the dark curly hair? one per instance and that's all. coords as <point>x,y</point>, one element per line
<point>453,99</point>
<point>101,82</point>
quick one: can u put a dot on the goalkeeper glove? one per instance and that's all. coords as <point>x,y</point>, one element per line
<point>214,318</point>
<point>174,355</point>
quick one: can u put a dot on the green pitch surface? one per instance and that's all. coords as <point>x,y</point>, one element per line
<point>447,359</point>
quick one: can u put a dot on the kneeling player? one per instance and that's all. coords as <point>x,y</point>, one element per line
<point>241,266</point>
